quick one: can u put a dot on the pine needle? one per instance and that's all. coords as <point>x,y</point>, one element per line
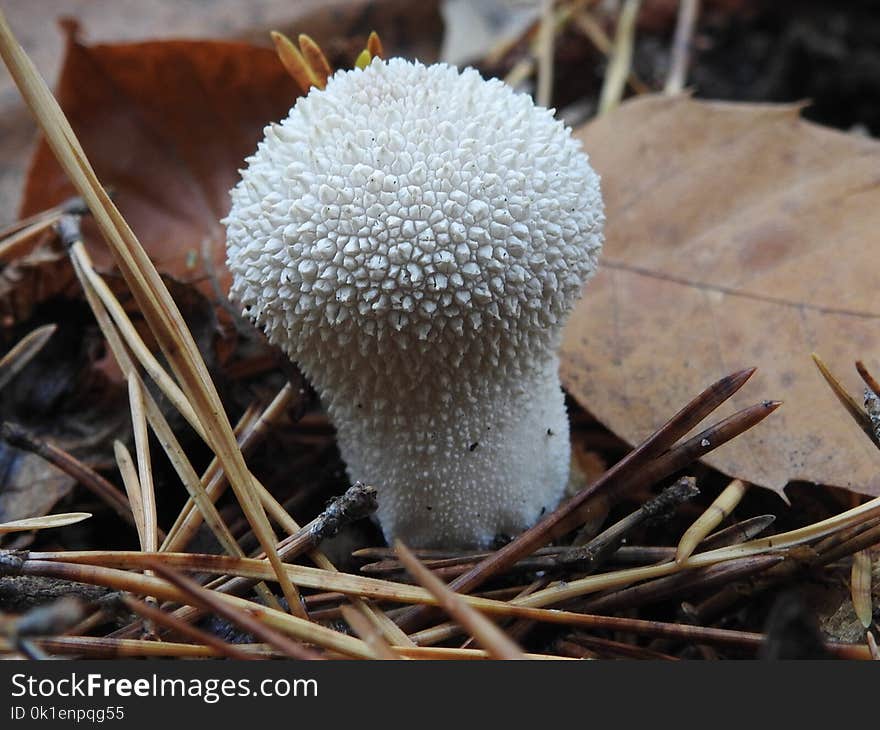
<point>369,632</point>
<point>43,523</point>
<point>852,406</point>
<point>157,420</point>
<point>293,61</point>
<point>317,61</point>
<point>720,509</point>
<point>363,60</point>
<point>14,361</point>
<point>688,10</point>
<point>253,430</point>
<point>621,59</point>
<point>374,45</point>
<point>545,51</point>
<point>860,586</point>
<point>496,643</point>
<point>130,480</point>
<point>145,471</point>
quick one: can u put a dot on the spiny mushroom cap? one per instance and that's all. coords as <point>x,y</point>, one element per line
<point>414,237</point>
<point>409,209</point>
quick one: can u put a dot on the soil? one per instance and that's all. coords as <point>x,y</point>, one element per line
<point>824,53</point>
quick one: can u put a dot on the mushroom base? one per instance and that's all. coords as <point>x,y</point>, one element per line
<point>487,462</point>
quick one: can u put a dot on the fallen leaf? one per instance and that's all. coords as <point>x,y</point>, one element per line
<point>31,487</point>
<point>737,235</point>
<point>33,277</point>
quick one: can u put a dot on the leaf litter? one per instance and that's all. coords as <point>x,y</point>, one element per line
<point>380,605</point>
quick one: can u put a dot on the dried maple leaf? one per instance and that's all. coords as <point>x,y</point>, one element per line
<point>737,235</point>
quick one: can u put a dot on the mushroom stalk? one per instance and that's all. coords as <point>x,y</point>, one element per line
<point>463,454</point>
<point>414,238</point>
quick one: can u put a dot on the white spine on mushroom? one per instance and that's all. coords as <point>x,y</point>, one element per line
<point>415,237</point>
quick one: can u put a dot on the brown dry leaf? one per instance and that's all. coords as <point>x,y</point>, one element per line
<point>166,126</point>
<point>31,487</point>
<point>737,235</point>
<point>32,278</point>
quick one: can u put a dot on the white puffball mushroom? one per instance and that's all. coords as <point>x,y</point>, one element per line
<point>414,237</point>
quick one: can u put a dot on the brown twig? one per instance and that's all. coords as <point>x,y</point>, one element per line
<point>588,558</point>
<point>20,564</point>
<point>358,502</point>
<point>693,634</point>
<point>550,558</point>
